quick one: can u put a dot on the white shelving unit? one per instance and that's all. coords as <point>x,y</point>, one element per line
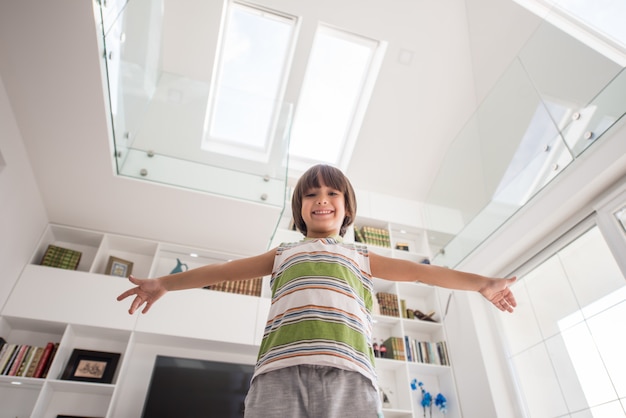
<point>395,376</point>
<point>78,310</point>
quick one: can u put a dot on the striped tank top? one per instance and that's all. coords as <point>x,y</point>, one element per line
<point>321,308</point>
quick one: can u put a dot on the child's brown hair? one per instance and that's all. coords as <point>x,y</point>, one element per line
<point>331,177</point>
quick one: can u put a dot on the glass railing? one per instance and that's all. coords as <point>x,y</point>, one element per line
<point>159,103</point>
<point>557,98</point>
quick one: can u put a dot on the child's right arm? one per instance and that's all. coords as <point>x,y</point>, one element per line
<point>149,291</point>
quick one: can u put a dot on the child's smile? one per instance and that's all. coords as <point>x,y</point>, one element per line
<point>323,211</point>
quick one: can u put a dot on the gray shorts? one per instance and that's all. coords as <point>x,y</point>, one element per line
<point>312,392</point>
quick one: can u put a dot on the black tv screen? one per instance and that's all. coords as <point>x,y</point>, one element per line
<point>188,388</point>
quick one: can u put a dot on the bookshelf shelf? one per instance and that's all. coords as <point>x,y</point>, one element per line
<point>84,315</point>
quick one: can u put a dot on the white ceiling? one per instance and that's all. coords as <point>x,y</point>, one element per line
<point>51,68</point>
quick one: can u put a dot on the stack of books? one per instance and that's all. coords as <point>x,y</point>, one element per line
<point>427,351</point>
<point>60,257</point>
<point>373,236</point>
<point>25,360</point>
<point>395,348</point>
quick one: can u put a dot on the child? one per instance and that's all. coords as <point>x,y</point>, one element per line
<point>316,357</point>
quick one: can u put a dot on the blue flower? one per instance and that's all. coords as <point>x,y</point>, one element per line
<point>427,400</point>
<point>441,403</point>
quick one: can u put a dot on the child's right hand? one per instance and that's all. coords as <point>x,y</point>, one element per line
<point>147,291</point>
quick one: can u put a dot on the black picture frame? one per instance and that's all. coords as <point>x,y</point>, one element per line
<point>91,366</point>
<point>72,416</point>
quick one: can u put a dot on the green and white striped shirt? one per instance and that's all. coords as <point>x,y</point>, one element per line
<point>321,308</point>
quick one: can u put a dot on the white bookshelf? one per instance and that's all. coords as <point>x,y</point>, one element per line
<point>78,310</point>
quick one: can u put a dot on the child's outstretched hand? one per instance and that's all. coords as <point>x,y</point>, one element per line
<point>498,292</point>
<point>147,291</point>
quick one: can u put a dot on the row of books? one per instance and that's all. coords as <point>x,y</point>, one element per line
<point>251,287</point>
<point>26,360</point>
<point>409,349</point>
<point>387,304</point>
<point>373,236</point>
<point>61,258</point>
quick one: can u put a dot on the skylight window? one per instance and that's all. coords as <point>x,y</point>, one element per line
<point>599,24</point>
<point>251,77</point>
<point>337,85</point>
<point>604,16</point>
<point>249,81</point>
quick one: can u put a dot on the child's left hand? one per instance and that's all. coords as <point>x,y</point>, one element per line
<point>498,292</point>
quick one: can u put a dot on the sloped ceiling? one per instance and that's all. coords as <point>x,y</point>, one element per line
<point>51,67</point>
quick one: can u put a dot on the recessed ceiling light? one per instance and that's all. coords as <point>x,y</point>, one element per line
<point>405,57</point>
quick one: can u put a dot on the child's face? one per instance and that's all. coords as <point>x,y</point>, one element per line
<point>323,211</point>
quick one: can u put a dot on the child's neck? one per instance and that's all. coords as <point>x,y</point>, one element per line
<point>321,236</point>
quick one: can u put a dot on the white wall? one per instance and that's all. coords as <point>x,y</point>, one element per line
<point>22,213</point>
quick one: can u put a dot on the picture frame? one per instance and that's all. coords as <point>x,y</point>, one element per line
<point>72,416</point>
<point>91,366</point>
<point>119,267</point>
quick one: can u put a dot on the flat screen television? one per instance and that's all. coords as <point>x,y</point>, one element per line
<point>188,388</point>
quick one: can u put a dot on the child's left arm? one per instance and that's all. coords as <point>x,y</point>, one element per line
<point>497,291</point>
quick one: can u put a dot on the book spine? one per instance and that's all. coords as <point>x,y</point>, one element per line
<point>407,347</point>
<point>34,362</point>
<point>401,350</point>
<point>27,360</point>
<point>45,357</point>
<point>414,353</point>
<point>46,368</point>
<point>18,360</point>
<point>403,308</point>
<point>9,357</point>
<point>3,351</point>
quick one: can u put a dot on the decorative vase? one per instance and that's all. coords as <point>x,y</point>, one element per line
<point>179,267</point>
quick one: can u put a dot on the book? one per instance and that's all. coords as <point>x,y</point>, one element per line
<point>427,351</point>
<point>10,357</point>
<point>373,236</point>
<point>395,348</point>
<point>407,348</point>
<point>27,360</point>
<point>46,368</point>
<point>61,258</point>
<point>388,303</point>
<point>3,350</point>
<point>34,362</point>
<point>45,357</point>
<point>17,362</point>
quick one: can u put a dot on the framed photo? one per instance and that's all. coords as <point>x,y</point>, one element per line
<point>118,267</point>
<point>91,366</point>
